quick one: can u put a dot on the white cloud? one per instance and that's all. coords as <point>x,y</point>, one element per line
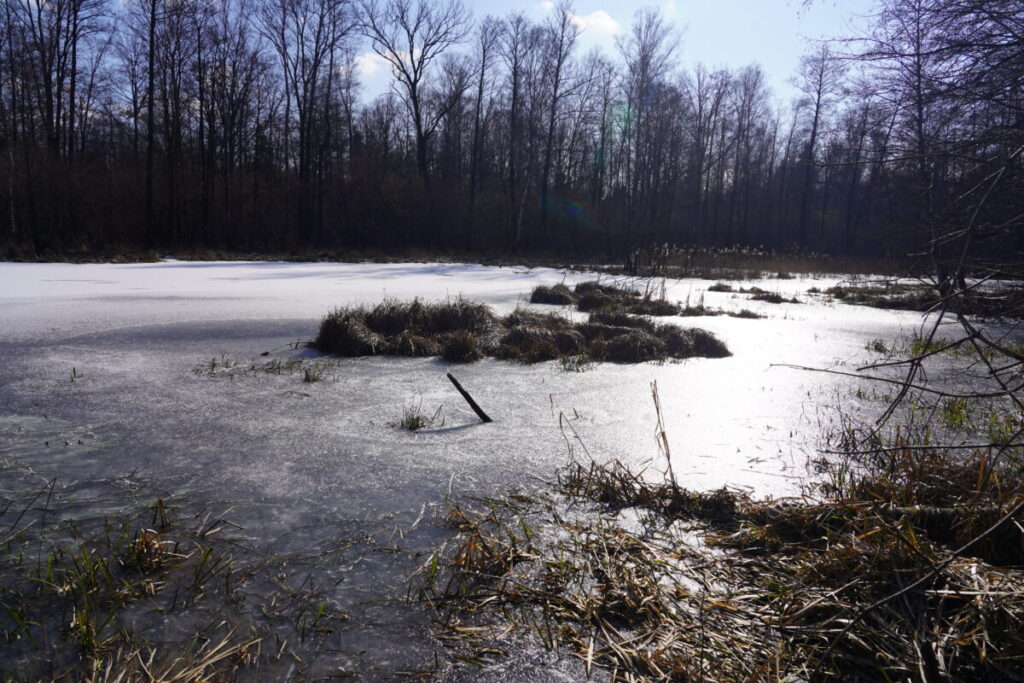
<point>597,21</point>
<point>374,74</point>
<point>370,65</point>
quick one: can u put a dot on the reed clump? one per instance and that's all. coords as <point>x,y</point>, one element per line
<point>621,302</point>
<point>903,559</point>
<point>1004,301</point>
<point>557,295</point>
<point>595,296</point>
<point>758,294</point>
<point>463,332</point>
<point>74,593</point>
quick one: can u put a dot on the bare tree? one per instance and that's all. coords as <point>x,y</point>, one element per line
<point>648,54</point>
<point>410,35</point>
<point>488,34</point>
<point>518,42</point>
<point>307,36</point>
<point>151,23</point>
<point>238,123</point>
<point>820,80</point>
<point>562,34</point>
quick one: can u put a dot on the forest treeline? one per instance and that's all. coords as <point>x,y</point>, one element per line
<point>240,125</point>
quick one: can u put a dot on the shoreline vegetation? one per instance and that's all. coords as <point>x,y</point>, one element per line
<point>899,562</point>
<point>460,331</point>
<point>900,558</point>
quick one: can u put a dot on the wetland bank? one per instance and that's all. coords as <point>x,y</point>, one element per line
<point>189,488</point>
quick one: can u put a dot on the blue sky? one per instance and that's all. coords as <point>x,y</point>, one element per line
<point>730,33</point>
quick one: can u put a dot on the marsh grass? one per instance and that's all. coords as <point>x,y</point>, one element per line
<point>700,309</point>
<point>610,296</point>
<point>622,299</point>
<point>1002,426</point>
<point>401,328</point>
<point>630,603</point>
<point>595,296</point>
<point>745,313</point>
<point>310,371</point>
<point>613,333</point>
<point>617,487</point>
<point>751,263</point>
<point>579,362</point>
<point>160,592</point>
<point>772,298</point>
<point>313,372</point>
<point>1005,301</point>
<point>877,345</point>
<point>460,347</point>
<point>893,295</point>
<point>954,413</point>
<point>414,418</point>
<point>622,319</point>
<point>67,588</point>
<point>901,558</point>
<point>758,294</point>
<point>558,295</point>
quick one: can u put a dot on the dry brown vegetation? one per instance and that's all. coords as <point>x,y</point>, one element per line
<point>1006,300</point>
<point>74,592</point>
<point>905,565</point>
<point>756,294</point>
<point>622,302</point>
<point>461,331</point>
<point>594,296</point>
<point>558,295</point>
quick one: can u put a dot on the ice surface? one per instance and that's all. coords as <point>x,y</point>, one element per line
<point>136,331</point>
<point>306,463</point>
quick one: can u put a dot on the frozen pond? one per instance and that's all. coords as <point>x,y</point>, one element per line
<point>106,379</point>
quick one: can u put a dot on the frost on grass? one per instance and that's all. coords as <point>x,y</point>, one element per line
<point>462,331</point>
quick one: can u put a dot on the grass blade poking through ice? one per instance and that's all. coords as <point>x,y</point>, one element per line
<point>662,437</point>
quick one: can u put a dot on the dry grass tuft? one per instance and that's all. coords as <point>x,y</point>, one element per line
<point>906,567</point>
<point>621,319</point>
<point>558,295</point>
<point>548,321</point>
<point>1007,301</point>
<point>636,346</point>
<point>462,332</point>
<point>611,291</point>
<point>691,342</point>
<point>746,314</point>
<point>459,347</point>
<point>657,307</point>
<point>617,487</point>
<point>594,301</point>
<point>594,296</point>
<point>399,328</point>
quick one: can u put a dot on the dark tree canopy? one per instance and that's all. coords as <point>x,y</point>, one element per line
<point>241,125</point>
